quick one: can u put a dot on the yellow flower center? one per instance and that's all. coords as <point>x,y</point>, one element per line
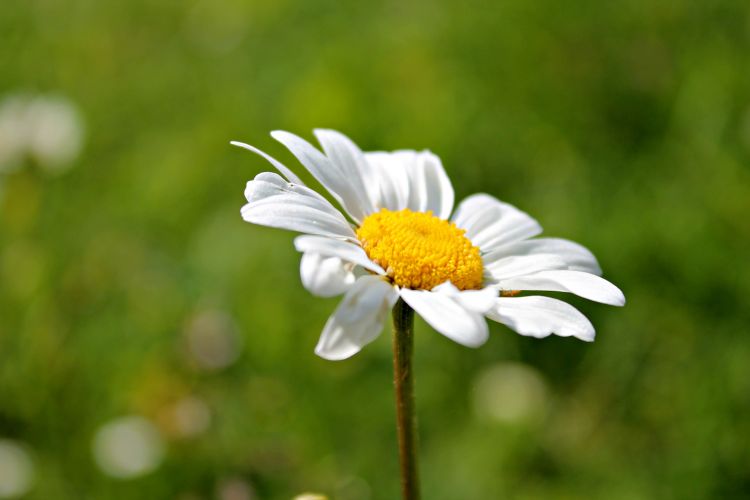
<point>421,251</point>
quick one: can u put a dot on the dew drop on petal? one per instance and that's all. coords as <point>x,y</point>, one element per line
<point>212,340</point>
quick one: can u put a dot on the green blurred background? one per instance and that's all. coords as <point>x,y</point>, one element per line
<point>153,345</point>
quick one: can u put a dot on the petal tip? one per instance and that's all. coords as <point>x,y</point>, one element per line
<point>619,299</point>
<point>333,356</point>
<point>588,336</point>
<point>478,344</point>
<point>280,134</point>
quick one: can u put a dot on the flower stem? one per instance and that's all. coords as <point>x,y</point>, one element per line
<point>406,417</point>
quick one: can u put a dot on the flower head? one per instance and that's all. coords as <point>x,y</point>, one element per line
<point>46,128</point>
<point>398,236</point>
<point>419,250</point>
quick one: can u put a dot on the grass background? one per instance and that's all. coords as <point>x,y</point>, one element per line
<point>623,125</point>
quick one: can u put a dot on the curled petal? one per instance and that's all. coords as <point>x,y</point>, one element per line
<point>274,202</point>
<point>542,316</point>
<point>449,315</point>
<point>325,276</point>
<point>588,286</point>
<point>345,250</point>
<point>358,319</point>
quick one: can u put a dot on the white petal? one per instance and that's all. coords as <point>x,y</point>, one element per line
<point>336,248</point>
<point>439,195</point>
<point>490,223</point>
<point>352,164</point>
<point>509,267</point>
<point>325,276</point>
<point>576,257</point>
<point>358,319</point>
<point>392,188</point>
<point>541,316</point>
<point>429,186</point>
<point>346,191</point>
<point>275,203</point>
<point>479,301</point>
<point>413,180</point>
<point>286,172</point>
<point>417,196</point>
<point>588,286</point>
<point>448,315</point>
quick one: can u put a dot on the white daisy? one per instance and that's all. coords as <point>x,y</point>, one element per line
<point>398,236</point>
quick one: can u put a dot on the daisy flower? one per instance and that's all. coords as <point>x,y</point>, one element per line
<point>398,236</point>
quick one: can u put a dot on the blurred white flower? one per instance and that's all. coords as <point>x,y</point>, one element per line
<point>16,469</point>
<point>128,447</point>
<point>310,496</point>
<point>46,128</point>
<point>235,488</point>
<point>510,393</point>
<point>57,135</point>
<point>212,340</point>
<point>191,416</point>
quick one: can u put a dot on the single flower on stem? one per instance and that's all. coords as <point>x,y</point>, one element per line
<point>398,246</point>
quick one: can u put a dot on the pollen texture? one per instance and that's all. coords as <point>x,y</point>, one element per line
<point>421,251</point>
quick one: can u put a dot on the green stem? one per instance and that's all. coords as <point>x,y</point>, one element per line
<point>406,417</point>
